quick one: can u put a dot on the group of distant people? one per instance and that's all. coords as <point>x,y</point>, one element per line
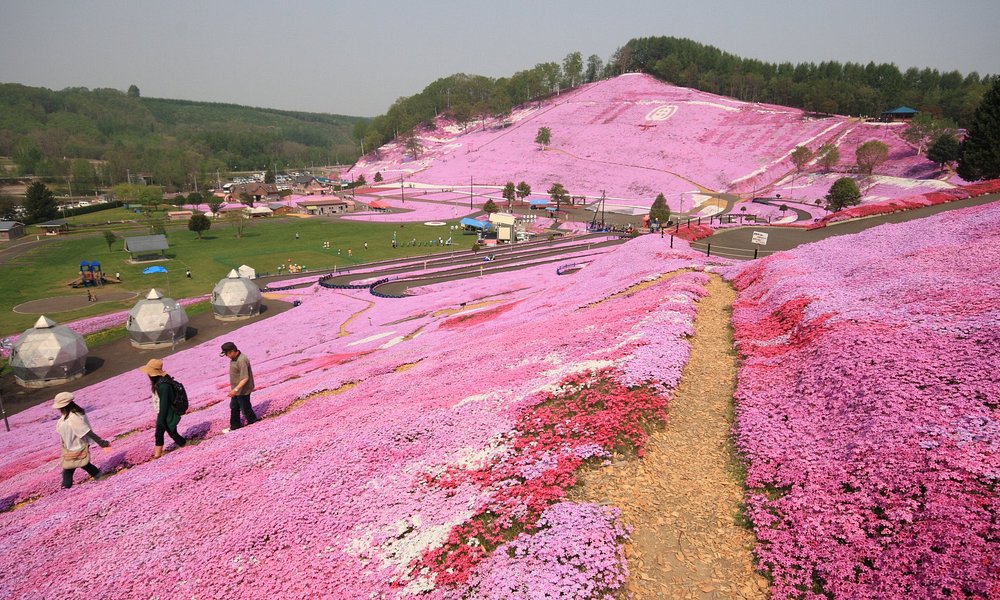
<point>76,434</point>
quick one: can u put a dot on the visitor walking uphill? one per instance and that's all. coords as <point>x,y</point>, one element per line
<point>167,415</point>
<point>240,386</point>
<point>75,437</point>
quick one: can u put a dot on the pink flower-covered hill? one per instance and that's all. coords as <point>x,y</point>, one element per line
<point>633,137</point>
<point>869,410</point>
<point>411,447</point>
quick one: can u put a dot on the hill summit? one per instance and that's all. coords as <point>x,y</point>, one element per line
<point>632,137</point>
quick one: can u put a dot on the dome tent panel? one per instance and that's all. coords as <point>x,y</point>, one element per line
<point>48,354</point>
<point>156,321</point>
<point>235,298</point>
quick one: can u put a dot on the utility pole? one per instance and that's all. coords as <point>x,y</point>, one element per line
<point>470,191</point>
<point>402,194</point>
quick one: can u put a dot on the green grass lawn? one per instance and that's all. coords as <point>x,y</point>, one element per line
<point>265,244</point>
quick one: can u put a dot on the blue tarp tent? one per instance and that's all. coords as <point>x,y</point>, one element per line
<point>538,202</point>
<point>470,222</point>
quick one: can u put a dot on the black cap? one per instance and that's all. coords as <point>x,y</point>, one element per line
<point>227,347</point>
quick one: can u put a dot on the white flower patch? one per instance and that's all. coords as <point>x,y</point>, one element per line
<point>392,342</point>
<point>714,105</point>
<point>567,370</point>
<point>372,338</point>
<point>404,541</point>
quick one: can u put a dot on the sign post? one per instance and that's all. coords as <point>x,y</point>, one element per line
<point>759,238</point>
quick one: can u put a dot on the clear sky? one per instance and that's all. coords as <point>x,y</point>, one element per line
<point>356,58</point>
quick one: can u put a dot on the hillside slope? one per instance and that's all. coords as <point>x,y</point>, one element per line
<point>633,137</point>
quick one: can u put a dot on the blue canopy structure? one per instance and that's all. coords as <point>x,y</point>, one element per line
<point>538,202</point>
<point>470,222</point>
<point>156,269</point>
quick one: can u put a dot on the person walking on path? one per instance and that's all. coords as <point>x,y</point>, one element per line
<point>167,417</point>
<point>240,386</point>
<point>75,437</point>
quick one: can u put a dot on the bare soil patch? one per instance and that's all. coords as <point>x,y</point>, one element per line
<point>684,499</point>
<point>56,304</point>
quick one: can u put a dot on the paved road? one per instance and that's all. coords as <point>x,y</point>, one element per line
<point>735,243</point>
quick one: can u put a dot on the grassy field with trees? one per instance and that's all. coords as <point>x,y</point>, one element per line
<point>49,269</point>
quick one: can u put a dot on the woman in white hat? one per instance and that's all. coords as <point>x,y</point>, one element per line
<point>75,436</point>
<point>167,417</point>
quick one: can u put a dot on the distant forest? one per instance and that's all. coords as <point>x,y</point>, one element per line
<point>99,137</point>
<point>827,87</point>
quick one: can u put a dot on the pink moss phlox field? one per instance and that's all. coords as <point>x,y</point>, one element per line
<point>867,407</point>
<point>589,416</point>
<point>910,202</point>
<point>674,140</point>
<point>386,436</point>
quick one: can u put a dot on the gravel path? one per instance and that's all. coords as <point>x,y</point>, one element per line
<point>683,498</point>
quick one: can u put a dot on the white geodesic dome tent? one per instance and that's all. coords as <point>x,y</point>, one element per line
<point>48,354</point>
<point>156,322</point>
<point>235,298</point>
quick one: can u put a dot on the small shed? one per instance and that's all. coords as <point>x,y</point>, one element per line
<point>54,226</point>
<point>179,215</point>
<point>146,247</point>
<point>900,113</point>
<point>278,209</point>
<point>325,206</point>
<point>470,223</point>
<point>11,230</point>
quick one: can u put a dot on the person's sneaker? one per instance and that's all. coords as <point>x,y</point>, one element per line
<point>226,430</point>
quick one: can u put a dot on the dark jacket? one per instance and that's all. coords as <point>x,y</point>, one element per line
<point>166,416</point>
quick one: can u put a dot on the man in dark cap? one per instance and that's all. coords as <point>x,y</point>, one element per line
<point>240,386</point>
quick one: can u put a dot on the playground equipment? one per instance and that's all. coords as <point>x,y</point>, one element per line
<point>235,298</point>
<point>47,355</point>
<point>156,322</point>
<point>91,275</point>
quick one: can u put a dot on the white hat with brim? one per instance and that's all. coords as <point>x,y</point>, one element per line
<point>63,399</point>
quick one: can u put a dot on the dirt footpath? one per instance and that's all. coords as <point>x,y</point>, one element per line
<point>683,499</point>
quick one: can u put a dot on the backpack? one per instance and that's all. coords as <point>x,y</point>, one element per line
<point>180,401</point>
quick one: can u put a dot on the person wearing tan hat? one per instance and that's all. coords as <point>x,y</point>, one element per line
<point>167,417</point>
<point>75,437</point>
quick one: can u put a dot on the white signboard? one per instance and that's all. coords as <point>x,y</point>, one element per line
<point>759,238</point>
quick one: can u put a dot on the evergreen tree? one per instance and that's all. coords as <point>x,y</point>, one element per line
<point>544,137</point>
<point>944,150</point>
<point>979,157</point>
<point>843,193</point>
<point>40,203</point>
<point>659,211</point>
<point>490,207</point>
